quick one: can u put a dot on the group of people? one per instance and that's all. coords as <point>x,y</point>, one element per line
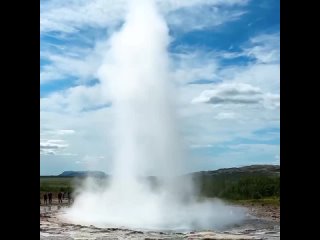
<point>47,197</point>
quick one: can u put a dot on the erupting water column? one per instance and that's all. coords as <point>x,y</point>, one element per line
<point>135,76</point>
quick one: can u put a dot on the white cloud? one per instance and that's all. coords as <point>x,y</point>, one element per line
<point>225,115</point>
<point>256,147</point>
<point>272,100</point>
<point>79,63</point>
<point>237,155</point>
<point>62,66</point>
<point>238,93</point>
<point>189,66</point>
<point>189,19</point>
<point>75,99</point>
<point>203,125</point>
<point>65,132</point>
<point>232,93</point>
<point>51,146</point>
<point>71,16</point>
<point>49,73</point>
<point>201,146</point>
<point>265,48</point>
<point>277,159</point>
<point>257,83</point>
<point>93,131</point>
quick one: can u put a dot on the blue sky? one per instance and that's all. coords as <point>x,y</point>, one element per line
<point>225,60</point>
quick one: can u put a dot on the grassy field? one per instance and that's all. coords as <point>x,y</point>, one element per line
<point>246,190</point>
<point>56,184</point>
<point>64,184</point>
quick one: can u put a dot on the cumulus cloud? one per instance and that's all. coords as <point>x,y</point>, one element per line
<point>237,94</point>
<point>92,135</point>
<point>253,86</point>
<point>55,142</point>
<point>203,124</point>
<point>231,94</point>
<point>265,76</point>
<point>51,146</point>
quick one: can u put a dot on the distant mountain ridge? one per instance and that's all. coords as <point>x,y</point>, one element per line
<point>266,170</point>
<point>248,182</point>
<point>82,174</point>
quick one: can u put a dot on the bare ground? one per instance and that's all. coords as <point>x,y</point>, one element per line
<point>263,223</point>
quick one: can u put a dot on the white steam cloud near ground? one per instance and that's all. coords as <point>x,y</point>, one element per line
<point>135,76</point>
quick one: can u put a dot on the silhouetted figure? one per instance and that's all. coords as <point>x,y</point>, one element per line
<point>50,197</point>
<point>69,197</point>
<point>45,197</point>
<point>60,197</point>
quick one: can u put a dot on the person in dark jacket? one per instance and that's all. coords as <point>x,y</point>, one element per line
<point>69,197</point>
<point>50,197</point>
<point>45,197</point>
<point>60,197</point>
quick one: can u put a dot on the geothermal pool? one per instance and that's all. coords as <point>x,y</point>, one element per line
<point>54,226</point>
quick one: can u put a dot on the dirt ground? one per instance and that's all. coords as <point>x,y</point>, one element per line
<point>263,223</point>
<point>263,211</point>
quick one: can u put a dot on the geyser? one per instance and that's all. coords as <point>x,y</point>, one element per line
<point>135,76</point>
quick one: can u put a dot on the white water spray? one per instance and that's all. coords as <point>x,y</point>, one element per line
<point>135,75</point>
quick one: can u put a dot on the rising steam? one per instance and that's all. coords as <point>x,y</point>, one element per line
<point>135,76</point>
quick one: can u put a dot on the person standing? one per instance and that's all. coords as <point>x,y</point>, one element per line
<point>45,199</point>
<point>50,197</point>
<point>60,197</point>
